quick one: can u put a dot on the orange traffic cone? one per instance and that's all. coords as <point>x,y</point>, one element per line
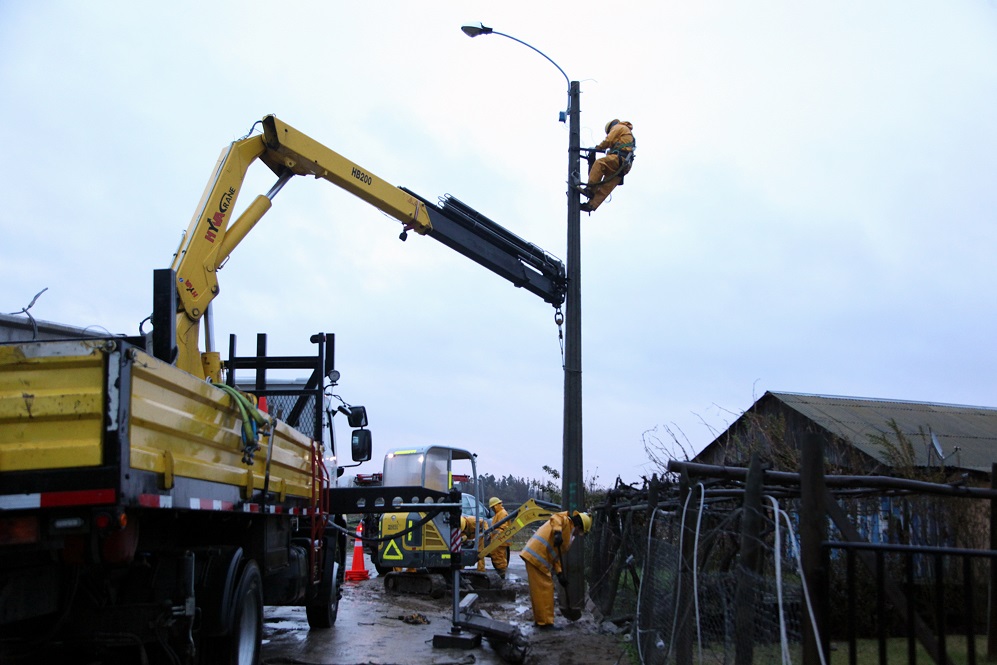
<point>358,571</point>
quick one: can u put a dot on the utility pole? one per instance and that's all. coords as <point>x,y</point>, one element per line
<point>572,481</point>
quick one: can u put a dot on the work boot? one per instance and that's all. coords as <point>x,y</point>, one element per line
<point>586,207</point>
<point>584,190</point>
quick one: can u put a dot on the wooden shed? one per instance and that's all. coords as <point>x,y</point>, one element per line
<point>862,435</point>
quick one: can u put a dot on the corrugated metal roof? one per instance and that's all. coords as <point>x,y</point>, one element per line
<point>967,434</point>
<point>22,329</point>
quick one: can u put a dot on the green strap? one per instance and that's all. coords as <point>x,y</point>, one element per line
<point>246,410</point>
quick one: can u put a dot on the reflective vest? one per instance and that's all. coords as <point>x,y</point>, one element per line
<point>540,549</point>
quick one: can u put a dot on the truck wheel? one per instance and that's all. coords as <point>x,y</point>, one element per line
<point>323,610</point>
<point>242,645</point>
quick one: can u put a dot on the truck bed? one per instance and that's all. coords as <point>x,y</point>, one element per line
<point>100,421</point>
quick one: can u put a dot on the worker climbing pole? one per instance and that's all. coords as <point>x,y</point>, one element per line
<point>607,172</point>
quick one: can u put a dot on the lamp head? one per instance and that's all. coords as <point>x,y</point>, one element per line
<point>474,31</point>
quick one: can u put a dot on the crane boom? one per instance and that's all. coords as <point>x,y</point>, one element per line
<point>212,235</point>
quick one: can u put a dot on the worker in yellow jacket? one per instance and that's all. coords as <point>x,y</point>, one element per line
<point>544,554</point>
<point>469,524</point>
<point>607,172</point>
<point>467,532</point>
<point>499,559</point>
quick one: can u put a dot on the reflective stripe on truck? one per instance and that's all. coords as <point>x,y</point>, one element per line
<point>57,499</point>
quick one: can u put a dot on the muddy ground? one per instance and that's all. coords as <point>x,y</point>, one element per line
<point>380,628</point>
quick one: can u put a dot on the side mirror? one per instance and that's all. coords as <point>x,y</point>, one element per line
<point>361,445</point>
<point>356,416</point>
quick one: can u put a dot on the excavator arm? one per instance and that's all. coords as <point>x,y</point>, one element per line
<point>212,235</point>
<point>496,537</point>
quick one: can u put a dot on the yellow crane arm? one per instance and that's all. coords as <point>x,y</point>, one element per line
<point>212,235</point>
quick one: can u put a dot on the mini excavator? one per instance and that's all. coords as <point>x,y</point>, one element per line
<point>414,549</point>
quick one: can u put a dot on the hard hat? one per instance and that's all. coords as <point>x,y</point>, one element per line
<point>609,125</point>
<point>494,501</point>
<point>586,520</point>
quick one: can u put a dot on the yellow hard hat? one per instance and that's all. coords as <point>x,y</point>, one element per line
<point>609,125</point>
<point>494,501</point>
<point>586,520</point>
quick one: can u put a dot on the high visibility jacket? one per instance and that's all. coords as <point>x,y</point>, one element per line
<point>467,525</point>
<point>541,551</point>
<point>500,515</point>
<point>619,139</point>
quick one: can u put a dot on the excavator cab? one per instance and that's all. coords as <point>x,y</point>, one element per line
<point>423,545</point>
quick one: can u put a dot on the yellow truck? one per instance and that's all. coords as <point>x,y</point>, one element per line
<point>136,511</point>
<point>150,506</point>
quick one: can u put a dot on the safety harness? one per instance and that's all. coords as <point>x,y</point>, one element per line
<point>625,153</point>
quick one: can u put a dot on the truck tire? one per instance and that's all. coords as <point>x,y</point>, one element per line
<point>323,610</point>
<point>243,643</point>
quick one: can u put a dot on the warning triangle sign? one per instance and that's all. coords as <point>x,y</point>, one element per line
<point>391,552</point>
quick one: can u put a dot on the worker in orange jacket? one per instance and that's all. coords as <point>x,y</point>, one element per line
<point>499,559</point>
<point>543,555</point>
<point>607,172</point>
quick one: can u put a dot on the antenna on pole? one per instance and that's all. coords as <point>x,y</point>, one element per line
<point>937,446</point>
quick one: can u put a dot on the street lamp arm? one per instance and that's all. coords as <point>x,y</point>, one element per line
<point>472,31</point>
<point>566,79</point>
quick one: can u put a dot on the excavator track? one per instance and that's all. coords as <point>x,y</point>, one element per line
<point>481,580</point>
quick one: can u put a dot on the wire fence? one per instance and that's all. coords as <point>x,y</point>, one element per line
<point>711,572</point>
<point>678,573</point>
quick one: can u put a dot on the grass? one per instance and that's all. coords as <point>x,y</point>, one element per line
<point>867,651</point>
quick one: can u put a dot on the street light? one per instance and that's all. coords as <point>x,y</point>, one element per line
<point>572,483</point>
<point>474,31</point>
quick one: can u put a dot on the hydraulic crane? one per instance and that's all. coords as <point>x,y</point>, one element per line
<point>212,235</point>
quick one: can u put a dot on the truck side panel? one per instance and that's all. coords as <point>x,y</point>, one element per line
<point>59,403</point>
<point>51,407</point>
<point>182,426</point>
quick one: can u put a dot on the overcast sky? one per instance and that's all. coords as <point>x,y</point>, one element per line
<point>811,209</point>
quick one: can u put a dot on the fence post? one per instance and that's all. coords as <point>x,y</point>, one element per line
<point>652,496</point>
<point>615,566</point>
<point>813,532</point>
<point>992,613</point>
<point>745,603</point>
<point>603,555</point>
<point>687,566</point>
